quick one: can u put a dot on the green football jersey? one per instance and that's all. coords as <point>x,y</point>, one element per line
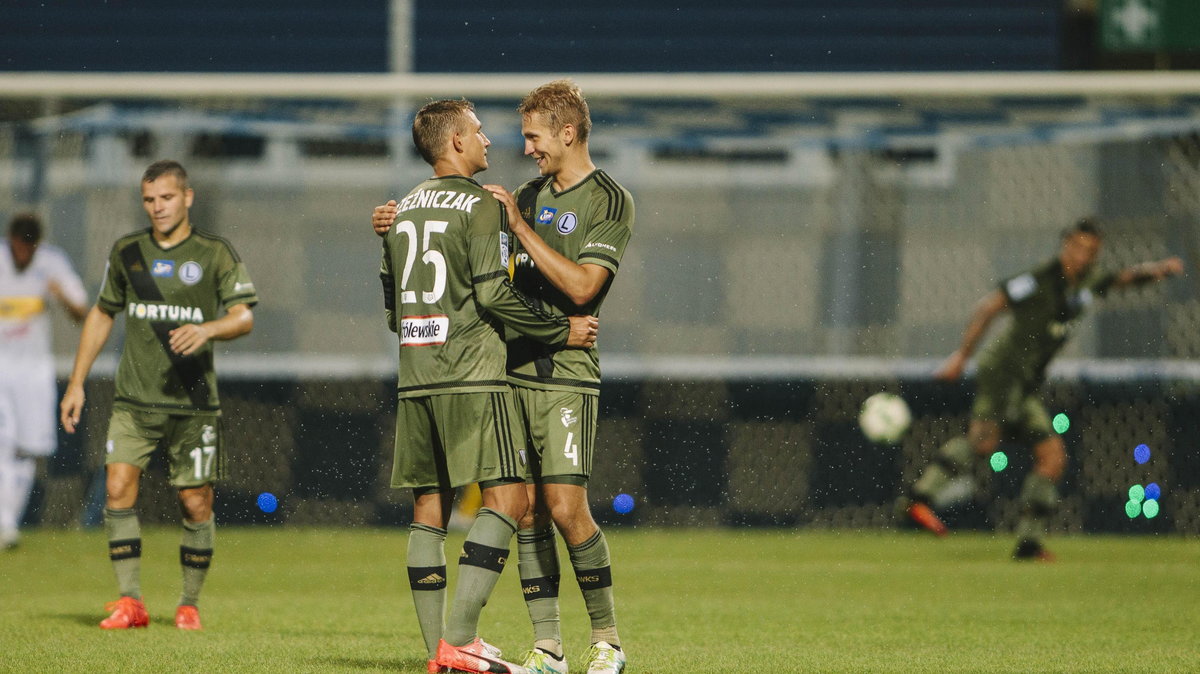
<point>447,292</point>
<point>589,223</point>
<point>1045,309</point>
<point>159,290</point>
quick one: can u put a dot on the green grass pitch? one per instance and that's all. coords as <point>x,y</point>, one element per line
<point>688,600</point>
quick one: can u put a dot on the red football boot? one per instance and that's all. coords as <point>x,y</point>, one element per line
<point>127,612</point>
<point>924,516</point>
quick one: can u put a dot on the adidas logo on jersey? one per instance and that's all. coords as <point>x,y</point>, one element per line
<point>165,312</point>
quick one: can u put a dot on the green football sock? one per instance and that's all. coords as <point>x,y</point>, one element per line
<point>952,459</point>
<point>195,555</point>
<point>483,556</point>
<point>1039,497</point>
<point>427,579</point>
<point>537,557</point>
<point>125,549</point>
<point>593,572</point>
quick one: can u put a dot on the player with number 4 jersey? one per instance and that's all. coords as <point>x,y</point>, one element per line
<point>449,298</point>
<point>572,225</point>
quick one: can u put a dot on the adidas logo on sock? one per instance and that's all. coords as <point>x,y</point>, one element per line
<point>431,579</point>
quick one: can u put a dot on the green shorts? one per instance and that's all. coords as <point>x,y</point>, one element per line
<point>560,428</point>
<point>450,440</point>
<point>192,443</point>
<point>1013,403</point>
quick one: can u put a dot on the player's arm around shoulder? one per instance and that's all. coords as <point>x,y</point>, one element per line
<point>489,250</point>
<point>579,282</point>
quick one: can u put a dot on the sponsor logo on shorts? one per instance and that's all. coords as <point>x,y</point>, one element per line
<point>503,250</point>
<point>424,330</point>
<point>163,268</point>
<point>208,435</point>
<point>568,417</point>
<point>191,272</point>
<point>566,223</point>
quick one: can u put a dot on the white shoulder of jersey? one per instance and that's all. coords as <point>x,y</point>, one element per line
<point>58,267</point>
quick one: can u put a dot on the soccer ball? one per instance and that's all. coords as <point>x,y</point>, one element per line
<point>884,418</point>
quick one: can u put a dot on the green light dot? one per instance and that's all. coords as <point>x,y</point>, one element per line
<point>1061,423</point>
<point>999,461</point>
<point>1150,509</point>
<point>1137,493</point>
<point>1133,509</point>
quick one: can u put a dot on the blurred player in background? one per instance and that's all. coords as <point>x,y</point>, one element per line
<point>1046,303</point>
<point>172,281</point>
<point>446,292</point>
<point>572,224</point>
<point>31,275</point>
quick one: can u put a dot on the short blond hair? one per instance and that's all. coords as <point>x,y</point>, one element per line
<point>562,103</point>
<point>435,122</point>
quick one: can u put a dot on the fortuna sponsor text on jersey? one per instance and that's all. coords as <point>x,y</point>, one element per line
<point>165,312</point>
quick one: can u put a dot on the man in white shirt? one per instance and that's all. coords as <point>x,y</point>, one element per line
<point>32,276</point>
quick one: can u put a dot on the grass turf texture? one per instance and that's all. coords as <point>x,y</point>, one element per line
<point>719,600</point>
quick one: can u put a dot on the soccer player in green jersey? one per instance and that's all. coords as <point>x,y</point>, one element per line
<point>572,224</point>
<point>181,289</point>
<point>448,295</point>
<point>1046,303</point>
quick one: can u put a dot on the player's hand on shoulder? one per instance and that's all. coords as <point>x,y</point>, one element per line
<point>502,195</point>
<point>583,332</point>
<point>509,202</point>
<point>383,217</point>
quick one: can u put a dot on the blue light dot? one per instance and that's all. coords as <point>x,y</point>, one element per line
<point>267,502</point>
<point>623,503</point>
<point>1141,453</point>
<point>1153,491</point>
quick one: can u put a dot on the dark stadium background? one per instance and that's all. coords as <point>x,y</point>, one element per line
<point>711,451</point>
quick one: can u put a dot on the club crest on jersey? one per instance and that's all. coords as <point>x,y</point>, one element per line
<point>566,224</point>
<point>191,272</point>
<point>546,216</point>
<point>163,268</point>
<point>568,417</point>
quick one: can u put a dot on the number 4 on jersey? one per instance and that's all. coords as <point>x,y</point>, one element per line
<point>571,450</point>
